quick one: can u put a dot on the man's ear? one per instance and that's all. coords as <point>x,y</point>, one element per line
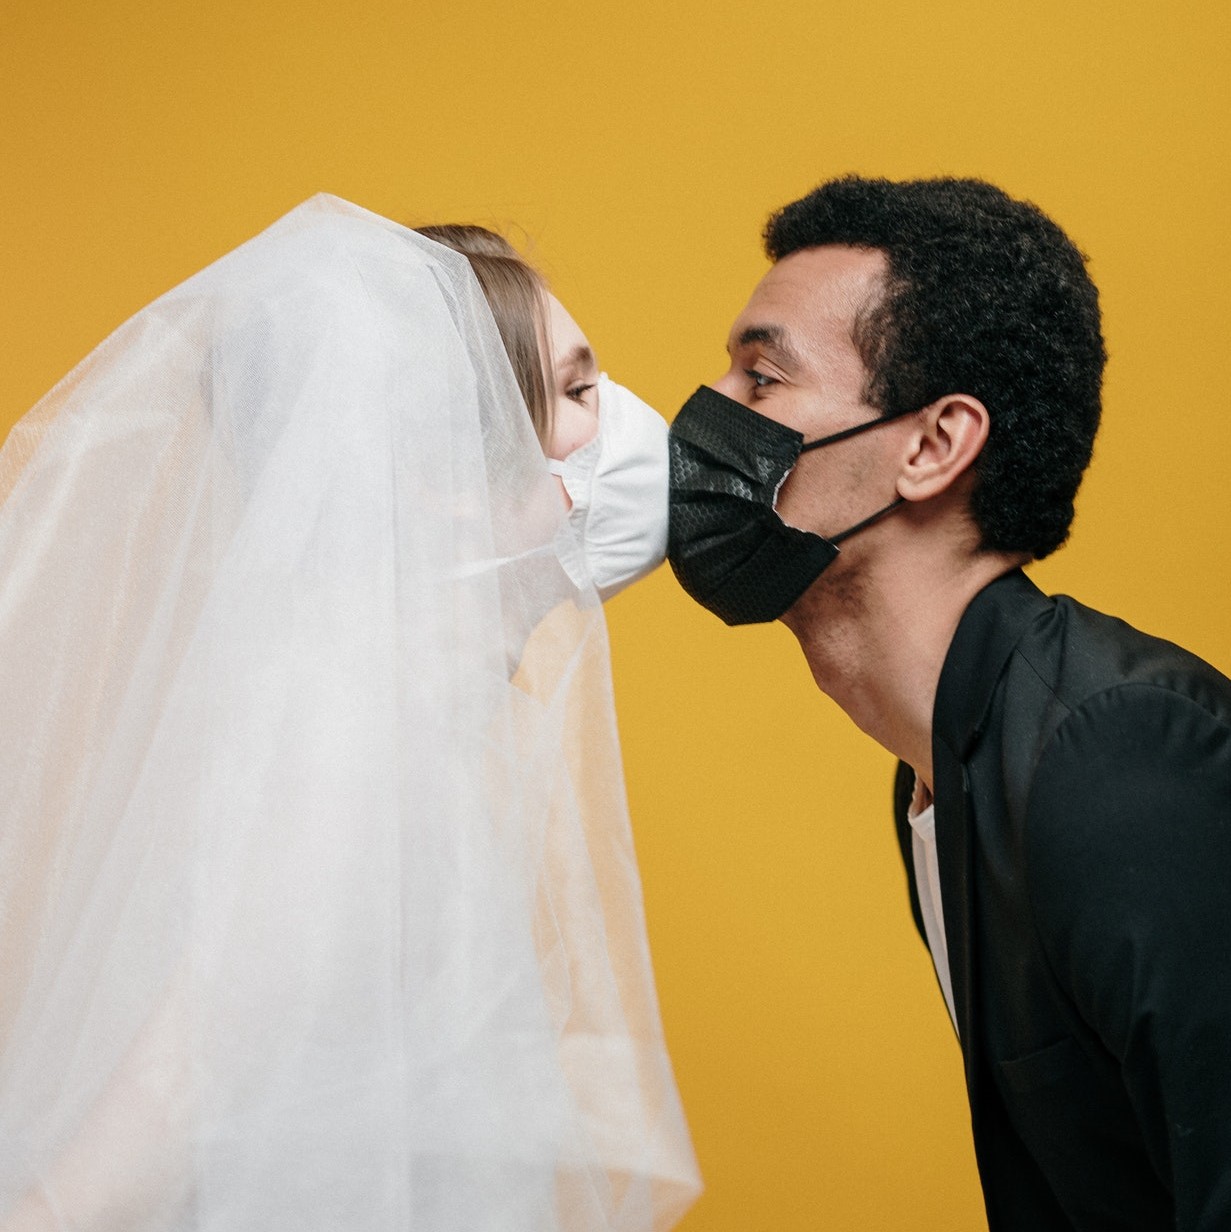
<point>947,438</point>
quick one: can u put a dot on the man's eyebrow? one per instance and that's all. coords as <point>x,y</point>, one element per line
<point>772,338</point>
<point>579,357</point>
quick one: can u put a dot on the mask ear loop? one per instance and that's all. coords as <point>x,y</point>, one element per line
<point>880,513</point>
<point>835,437</point>
<point>832,439</point>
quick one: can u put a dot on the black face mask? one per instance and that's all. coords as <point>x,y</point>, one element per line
<point>727,545</point>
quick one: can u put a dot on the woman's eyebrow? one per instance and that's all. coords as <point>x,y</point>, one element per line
<point>579,357</point>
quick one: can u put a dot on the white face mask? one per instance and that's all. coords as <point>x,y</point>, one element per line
<point>618,485</point>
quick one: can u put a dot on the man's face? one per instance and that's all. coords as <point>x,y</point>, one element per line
<point>793,359</point>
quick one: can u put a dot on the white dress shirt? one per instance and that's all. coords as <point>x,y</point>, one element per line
<point>922,818</point>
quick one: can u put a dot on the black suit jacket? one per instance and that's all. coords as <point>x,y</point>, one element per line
<point>1082,781</point>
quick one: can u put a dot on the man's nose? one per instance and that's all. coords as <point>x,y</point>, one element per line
<point>729,385</point>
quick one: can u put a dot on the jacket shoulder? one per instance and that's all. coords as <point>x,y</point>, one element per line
<point>1076,668</point>
<point>1077,653</point>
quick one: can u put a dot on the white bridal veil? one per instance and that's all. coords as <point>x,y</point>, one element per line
<point>318,902</point>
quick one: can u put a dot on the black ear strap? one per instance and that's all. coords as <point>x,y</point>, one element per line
<point>856,430</point>
<point>880,513</point>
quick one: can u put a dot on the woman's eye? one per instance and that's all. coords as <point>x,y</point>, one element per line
<point>578,392</point>
<point>759,379</point>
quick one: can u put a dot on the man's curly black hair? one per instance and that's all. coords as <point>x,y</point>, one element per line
<point>984,295</point>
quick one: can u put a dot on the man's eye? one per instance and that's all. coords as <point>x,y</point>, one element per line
<point>759,379</point>
<point>578,392</point>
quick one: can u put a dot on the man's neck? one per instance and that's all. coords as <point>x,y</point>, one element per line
<point>876,643</point>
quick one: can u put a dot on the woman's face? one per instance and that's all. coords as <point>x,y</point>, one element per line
<point>572,385</point>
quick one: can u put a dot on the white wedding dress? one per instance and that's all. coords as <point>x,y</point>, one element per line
<point>318,901</point>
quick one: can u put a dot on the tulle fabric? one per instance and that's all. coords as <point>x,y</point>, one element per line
<point>318,901</point>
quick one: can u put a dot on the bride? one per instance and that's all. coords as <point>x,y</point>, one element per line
<point>318,902</point>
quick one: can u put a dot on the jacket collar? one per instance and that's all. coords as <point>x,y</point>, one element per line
<point>990,628</point>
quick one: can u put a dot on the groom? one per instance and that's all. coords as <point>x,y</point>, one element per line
<point>916,380</point>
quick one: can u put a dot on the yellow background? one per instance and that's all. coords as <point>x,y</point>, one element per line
<point>638,147</point>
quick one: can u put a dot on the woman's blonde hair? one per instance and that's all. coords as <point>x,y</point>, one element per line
<point>517,297</point>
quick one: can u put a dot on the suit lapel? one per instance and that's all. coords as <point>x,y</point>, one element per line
<point>986,635</point>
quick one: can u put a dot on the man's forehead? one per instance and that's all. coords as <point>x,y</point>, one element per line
<point>810,294</point>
